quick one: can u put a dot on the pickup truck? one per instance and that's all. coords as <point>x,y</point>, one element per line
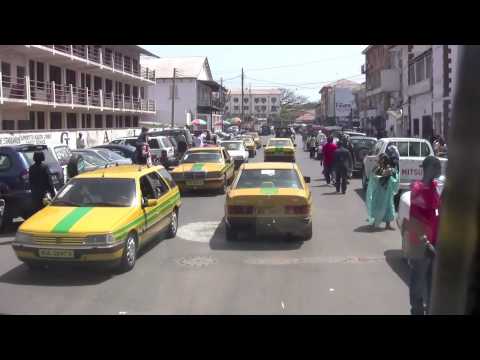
<point>412,152</point>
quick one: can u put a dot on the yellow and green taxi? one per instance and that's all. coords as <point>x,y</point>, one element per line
<point>204,168</point>
<point>280,149</point>
<point>256,139</point>
<point>249,144</point>
<point>269,196</point>
<point>104,216</point>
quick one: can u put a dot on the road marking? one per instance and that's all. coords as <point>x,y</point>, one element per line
<point>283,305</point>
<point>198,231</point>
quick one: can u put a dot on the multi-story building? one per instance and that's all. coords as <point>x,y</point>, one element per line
<point>336,101</point>
<point>360,100</point>
<point>411,88</point>
<point>55,91</point>
<point>197,95</point>
<point>258,103</point>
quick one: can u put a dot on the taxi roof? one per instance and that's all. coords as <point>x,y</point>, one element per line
<point>120,171</point>
<point>269,165</point>
<point>204,149</point>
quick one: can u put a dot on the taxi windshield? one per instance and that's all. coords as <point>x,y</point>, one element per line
<point>280,178</point>
<point>195,157</point>
<point>232,145</point>
<point>279,143</point>
<point>363,143</point>
<point>97,192</point>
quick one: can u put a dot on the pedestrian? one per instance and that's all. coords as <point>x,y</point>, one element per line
<point>422,229</point>
<point>182,146</point>
<point>142,151</point>
<point>304,140</point>
<point>198,141</point>
<point>80,141</point>
<point>394,156</point>
<point>328,150</point>
<point>312,145</point>
<point>342,165</point>
<point>164,159</point>
<point>40,181</point>
<point>383,184</point>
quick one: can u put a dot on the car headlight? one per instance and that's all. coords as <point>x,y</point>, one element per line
<point>100,239</point>
<point>23,238</point>
<point>214,174</point>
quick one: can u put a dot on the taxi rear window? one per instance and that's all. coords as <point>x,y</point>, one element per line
<point>194,157</point>
<point>280,178</point>
<point>279,143</point>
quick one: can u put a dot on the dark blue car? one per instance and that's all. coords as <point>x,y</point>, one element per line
<point>15,161</point>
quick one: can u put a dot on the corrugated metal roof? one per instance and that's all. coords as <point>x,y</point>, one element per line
<point>187,67</point>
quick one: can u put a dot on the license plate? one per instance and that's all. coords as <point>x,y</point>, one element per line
<point>53,253</point>
<point>195,183</point>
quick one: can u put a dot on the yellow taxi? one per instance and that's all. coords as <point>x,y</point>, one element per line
<point>256,139</point>
<point>272,197</point>
<point>204,168</point>
<point>280,149</point>
<point>249,144</point>
<point>103,217</point>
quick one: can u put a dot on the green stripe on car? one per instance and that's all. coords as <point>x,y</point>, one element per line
<point>198,166</point>
<point>71,219</point>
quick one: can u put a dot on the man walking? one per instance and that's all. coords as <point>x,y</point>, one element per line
<point>80,141</point>
<point>423,228</point>
<point>328,150</point>
<point>40,181</point>
<point>342,165</point>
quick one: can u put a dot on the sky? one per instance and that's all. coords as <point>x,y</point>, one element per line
<point>302,68</point>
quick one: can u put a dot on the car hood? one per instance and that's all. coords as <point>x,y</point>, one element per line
<point>199,167</point>
<point>78,220</point>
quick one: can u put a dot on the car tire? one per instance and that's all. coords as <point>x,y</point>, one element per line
<point>173,226</point>
<point>308,232</point>
<point>230,234</point>
<point>129,256</point>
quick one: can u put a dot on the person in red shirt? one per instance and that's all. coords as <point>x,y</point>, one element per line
<point>423,229</point>
<point>328,150</point>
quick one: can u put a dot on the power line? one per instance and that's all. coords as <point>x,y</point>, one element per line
<point>300,85</point>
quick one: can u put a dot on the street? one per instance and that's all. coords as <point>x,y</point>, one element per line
<point>343,269</point>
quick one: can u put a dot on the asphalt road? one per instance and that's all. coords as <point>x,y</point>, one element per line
<point>343,269</point>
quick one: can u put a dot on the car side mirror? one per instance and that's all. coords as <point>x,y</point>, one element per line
<point>306,179</point>
<point>151,202</point>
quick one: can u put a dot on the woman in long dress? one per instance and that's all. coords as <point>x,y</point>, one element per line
<point>383,184</point>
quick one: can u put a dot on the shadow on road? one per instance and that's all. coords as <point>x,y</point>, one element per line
<point>9,231</point>
<point>248,241</point>
<point>368,229</point>
<point>399,265</point>
<point>361,194</point>
<point>55,276</point>
<point>331,193</point>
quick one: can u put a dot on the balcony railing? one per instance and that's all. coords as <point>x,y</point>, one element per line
<point>20,89</point>
<point>113,61</point>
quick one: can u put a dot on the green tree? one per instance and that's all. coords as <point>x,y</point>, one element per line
<point>291,104</point>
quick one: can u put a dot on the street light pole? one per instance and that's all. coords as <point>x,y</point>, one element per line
<point>242,98</point>
<point>173,96</point>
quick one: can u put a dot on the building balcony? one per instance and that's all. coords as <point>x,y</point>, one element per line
<point>57,95</point>
<point>389,82</point>
<point>421,87</point>
<point>97,58</point>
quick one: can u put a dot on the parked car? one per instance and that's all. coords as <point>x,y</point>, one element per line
<point>62,153</point>
<point>362,146</point>
<point>15,162</point>
<point>93,158</point>
<point>131,141</point>
<point>158,144</point>
<point>174,132</point>
<point>112,156</point>
<point>127,151</point>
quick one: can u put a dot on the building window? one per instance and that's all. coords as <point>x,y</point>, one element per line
<point>274,100</point>
<point>119,121</point>
<point>226,108</point>
<point>235,107</point>
<point>128,122</point>
<point>8,125</point>
<point>235,100</point>
<point>274,108</point>
<point>135,121</point>
<point>142,92</point>
<point>257,100</point>
<point>27,124</point>
<point>419,71</point>
<point>86,121</point>
<point>264,100</point>
<point>245,100</point>
<point>411,74</point>
<point>245,108</point>
<point>98,121</point>
<point>109,121</point>
<point>428,65</point>
<point>55,120</point>
<point>40,120</point>
<point>71,121</point>
<point>416,127</point>
<point>257,109</point>
<point>264,108</point>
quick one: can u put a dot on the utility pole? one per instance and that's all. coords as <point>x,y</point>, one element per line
<point>173,96</point>
<point>242,97</point>
<point>222,104</point>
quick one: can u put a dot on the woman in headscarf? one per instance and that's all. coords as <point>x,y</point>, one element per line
<point>383,184</point>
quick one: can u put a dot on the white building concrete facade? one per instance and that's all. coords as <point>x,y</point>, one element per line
<point>259,103</point>
<point>195,91</point>
<point>73,87</point>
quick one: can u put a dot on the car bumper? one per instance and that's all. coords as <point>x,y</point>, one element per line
<point>81,254</point>
<point>286,225</point>
<point>281,158</point>
<point>208,184</point>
